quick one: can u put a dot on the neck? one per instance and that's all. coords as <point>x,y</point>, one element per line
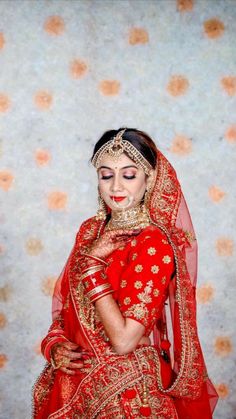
<point>135,217</point>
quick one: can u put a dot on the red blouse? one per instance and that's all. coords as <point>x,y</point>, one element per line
<point>140,273</point>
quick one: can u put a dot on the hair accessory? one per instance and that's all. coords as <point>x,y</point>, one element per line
<point>115,147</point>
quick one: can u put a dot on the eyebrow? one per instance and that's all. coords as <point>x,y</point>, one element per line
<point>125,167</point>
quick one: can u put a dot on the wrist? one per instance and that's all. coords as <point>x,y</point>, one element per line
<point>47,350</point>
<point>91,258</point>
<point>96,284</point>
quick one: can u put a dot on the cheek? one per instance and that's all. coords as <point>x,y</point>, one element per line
<point>139,189</point>
<point>102,188</point>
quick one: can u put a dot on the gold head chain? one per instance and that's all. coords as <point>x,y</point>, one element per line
<point>115,147</point>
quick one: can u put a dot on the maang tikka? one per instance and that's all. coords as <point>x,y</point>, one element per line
<point>116,146</point>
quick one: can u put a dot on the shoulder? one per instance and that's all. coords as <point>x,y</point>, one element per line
<point>152,241</point>
<point>152,234</point>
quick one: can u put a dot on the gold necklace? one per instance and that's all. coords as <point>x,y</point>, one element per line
<point>136,217</point>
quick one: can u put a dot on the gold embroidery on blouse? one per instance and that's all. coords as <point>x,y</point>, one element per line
<point>122,263</point>
<point>127,300</point>
<point>153,311</point>
<point>166,259</point>
<point>138,284</point>
<point>145,295</point>
<point>140,311</point>
<point>163,280</point>
<point>155,269</point>
<point>121,248</point>
<point>156,292</point>
<point>151,251</point>
<point>164,241</point>
<point>138,268</point>
<point>123,283</point>
<point>134,256</point>
<point>133,242</point>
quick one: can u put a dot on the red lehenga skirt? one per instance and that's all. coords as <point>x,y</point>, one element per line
<point>118,386</point>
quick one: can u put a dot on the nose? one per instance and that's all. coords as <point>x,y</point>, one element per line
<point>116,185</point>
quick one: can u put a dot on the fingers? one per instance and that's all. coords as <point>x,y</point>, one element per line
<point>70,345</point>
<point>71,367</point>
<point>67,371</point>
<point>123,233</point>
<point>76,365</point>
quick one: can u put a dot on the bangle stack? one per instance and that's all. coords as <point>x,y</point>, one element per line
<point>95,281</point>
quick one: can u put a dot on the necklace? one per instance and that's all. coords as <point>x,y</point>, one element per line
<point>136,217</point>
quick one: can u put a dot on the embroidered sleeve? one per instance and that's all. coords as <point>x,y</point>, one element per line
<point>144,283</point>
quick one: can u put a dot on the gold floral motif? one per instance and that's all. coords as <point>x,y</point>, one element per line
<point>133,242</point>
<point>123,283</point>
<point>122,263</point>
<point>151,251</point>
<point>155,269</point>
<point>166,259</point>
<point>134,256</point>
<point>121,248</point>
<point>164,241</point>
<point>138,268</point>
<point>153,311</point>
<point>138,284</point>
<point>163,280</point>
<point>139,311</point>
<point>156,292</point>
<point>145,295</point>
<point>127,300</point>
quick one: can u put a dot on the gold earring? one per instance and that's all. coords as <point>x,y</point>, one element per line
<point>147,196</point>
<point>101,212</point>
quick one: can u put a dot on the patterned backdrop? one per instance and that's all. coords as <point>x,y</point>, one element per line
<point>69,70</point>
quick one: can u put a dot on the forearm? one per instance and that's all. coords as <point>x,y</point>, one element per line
<point>124,333</point>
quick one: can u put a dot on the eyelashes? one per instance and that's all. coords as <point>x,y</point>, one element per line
<point>125,177</point>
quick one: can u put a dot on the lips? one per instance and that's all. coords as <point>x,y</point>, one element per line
<point>117,198</point>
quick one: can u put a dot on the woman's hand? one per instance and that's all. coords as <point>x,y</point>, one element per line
<point>110,241</point>
<point>67,357</point>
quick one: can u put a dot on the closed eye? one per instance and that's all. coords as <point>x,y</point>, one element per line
<point>125,177</point>
<point>129,177</point>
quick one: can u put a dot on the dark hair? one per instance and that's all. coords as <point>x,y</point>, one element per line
<point>139,139</point>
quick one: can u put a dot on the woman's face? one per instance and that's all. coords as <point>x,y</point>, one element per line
<point>121,182</point>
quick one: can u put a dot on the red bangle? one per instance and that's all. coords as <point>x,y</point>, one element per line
<point>96,285</point>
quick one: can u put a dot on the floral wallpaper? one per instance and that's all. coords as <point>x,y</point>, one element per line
<point>69,70</point>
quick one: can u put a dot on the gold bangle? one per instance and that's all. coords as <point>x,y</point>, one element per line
<point>95,258</point>
<point>99,288</point>
<point>91,267</point>
<point>90,272</point>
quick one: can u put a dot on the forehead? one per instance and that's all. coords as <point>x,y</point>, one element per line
<point>122,161</point>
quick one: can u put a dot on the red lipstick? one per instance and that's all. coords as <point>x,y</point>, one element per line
<point>117,198</point>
